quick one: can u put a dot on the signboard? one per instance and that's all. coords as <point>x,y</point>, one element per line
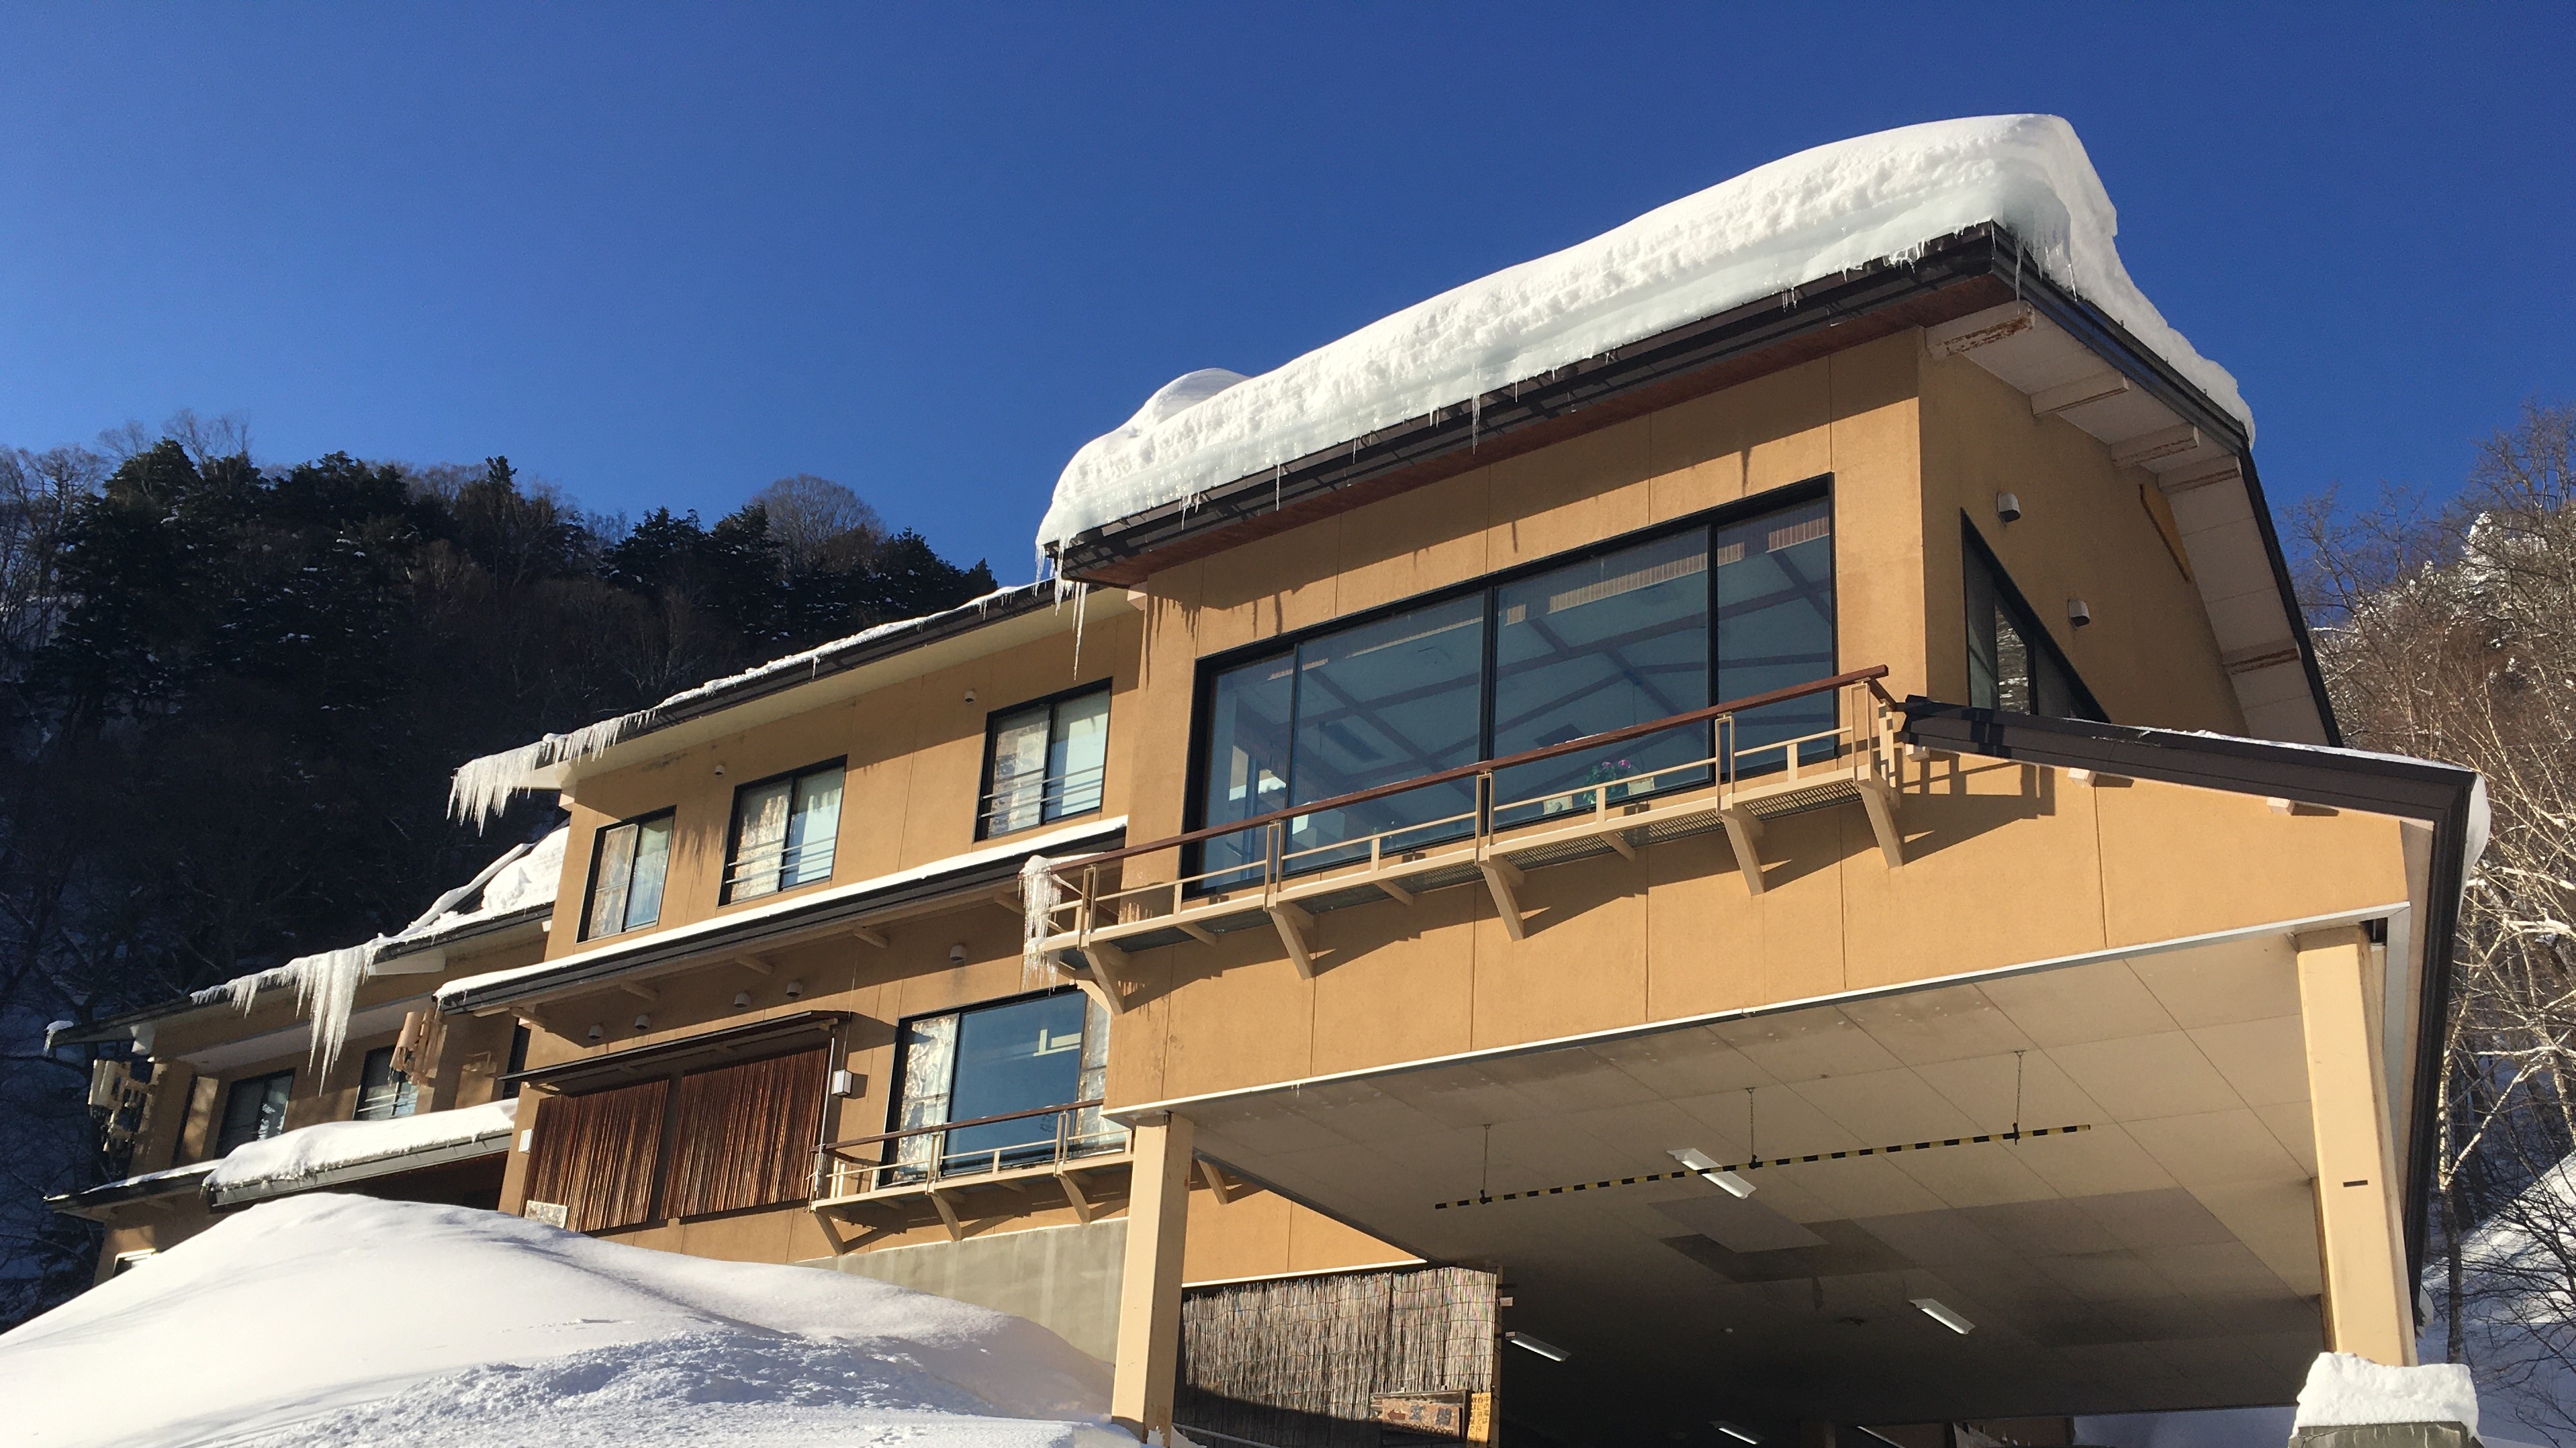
<point>1441,1415</point>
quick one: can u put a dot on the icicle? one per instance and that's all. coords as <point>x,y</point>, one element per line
<point>1039,897</point>
<point>326,986</point>
<point>1278,472</point>
<point>1081,610</point>
<point>482,788</point>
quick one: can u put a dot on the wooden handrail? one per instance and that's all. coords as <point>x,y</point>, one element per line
<point>1869,676</point>
<point>961,1125</point>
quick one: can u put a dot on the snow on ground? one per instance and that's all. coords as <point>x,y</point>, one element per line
<point>330,1145</point>
<point>330,1320</point>
<point>1774,228</point>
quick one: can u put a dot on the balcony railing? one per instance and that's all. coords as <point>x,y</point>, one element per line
<point>1162,892</point>
<point>1028,803</point>
<point>868,1166</point>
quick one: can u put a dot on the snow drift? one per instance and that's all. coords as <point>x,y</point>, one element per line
<point>1770,230</point>
<point>332,1319</point>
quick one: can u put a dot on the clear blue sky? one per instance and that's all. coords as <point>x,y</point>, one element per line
<point>665,255</point>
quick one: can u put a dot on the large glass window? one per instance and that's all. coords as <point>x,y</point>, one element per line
<point>1045,761</point>
<point>383,1092</point>
<point>254,1110</point>
<point>1003,1060</point>
<point>2013,664</point>
<point>626,873</point>
<point>784,832</point>
<point>1632,634</point>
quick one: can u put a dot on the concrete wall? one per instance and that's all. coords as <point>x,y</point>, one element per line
<point>1063,1278</point>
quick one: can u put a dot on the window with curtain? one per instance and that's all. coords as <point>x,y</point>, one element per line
<point>784,832</point>
<point>1002,1060</point>
<point>627,868</point>
<point>2013,664</point>
<point>1045,761</point>
<point>383,1092</point>
<point>254,1110</point>
<point>1633,632</point>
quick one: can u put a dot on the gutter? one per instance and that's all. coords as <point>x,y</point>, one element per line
<point>2442,796</point>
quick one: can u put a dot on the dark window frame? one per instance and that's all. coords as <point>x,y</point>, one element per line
<point>396,1081</point>
<point>733,825</point>
<point>590,891</point>
<point>992,737</point>
<point>1211,667</point>
<point>903,1046</point>
<point>233,1088</point>
<point>1975,550</point>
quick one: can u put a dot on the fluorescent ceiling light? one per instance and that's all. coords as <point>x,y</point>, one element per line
<point>1740,1435</point>
<point>1699,1161</point>
<point>1547,1350</point>
<point>1932,1308</point>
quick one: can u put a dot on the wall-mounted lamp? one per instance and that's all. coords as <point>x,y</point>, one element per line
<point>719,771</point>
<point>2078,612</point>
<point>643,1023</point>
<point>957,953</point>
<point>970,696</point>
<point>742,1000</point>
<point>596,1032</point>
<point>848,1083</point>
<point>1527,1343</point>
<point>1933,1308</point>
<point>2008,507</point>
<point>1719,1176</point>
<point>794,988</point>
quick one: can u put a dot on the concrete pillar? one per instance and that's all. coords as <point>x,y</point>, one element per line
<point>2369,1304</point>
<point>1149,1290</point>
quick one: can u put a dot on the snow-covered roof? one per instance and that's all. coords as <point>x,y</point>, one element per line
<point>331,1152</point>
<point>331,1319</point>
<point>1775,228</point>
<point>483,787</point>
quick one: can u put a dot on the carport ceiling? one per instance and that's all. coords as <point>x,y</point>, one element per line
<point>2165,1257</point>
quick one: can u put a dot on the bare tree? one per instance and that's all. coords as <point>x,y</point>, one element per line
<point>2450,633</point>
<point>819,522</point>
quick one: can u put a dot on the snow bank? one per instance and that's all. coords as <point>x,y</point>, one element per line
<point>1767,231</point>
<point>310,1151</point>
<point>331,1319</point>
<point>2343,1390</point>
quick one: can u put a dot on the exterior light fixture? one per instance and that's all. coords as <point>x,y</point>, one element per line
<point>597,1031</point>
<point>643,1023</point>
<point>1698,1161</point>
<point>1742,1435</point>
<point>2078,612</point>
<point>742,1000</point>
<point>2008,507</point>
<point>1932,1308</point>
<point>1527,1343</point>
<point>957,953</point>
<point>794,988</point>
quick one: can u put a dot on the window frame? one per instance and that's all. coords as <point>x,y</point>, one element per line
<point>232,1088</point>
<point>1975,550</point>
<point>901,1066</point>
<point>992,738</point>
<point>733,826</point>
<point>1213,666</point>
<point>405,1100</point>
<point>590,892</point>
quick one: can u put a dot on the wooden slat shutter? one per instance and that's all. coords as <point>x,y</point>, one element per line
<point>595,1155</point>
<point>747,1133</point>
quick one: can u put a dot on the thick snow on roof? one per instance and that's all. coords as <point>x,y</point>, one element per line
<point>482,788</point>
<point>2343,1391</point>
<point>333,1319</point>
<point>329,1146</point>
<point>1776,227</point>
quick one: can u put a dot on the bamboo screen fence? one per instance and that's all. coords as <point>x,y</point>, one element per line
<point>1323,1362</point>
<point>595,1155</point>
<point>746,1134</point>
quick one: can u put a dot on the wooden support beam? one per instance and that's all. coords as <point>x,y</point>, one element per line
<point>947,1215</point>
<point>1880,802</point>
<point>1199,933</point>
<point>1010,900</point>
<point>1082,1208</point>
<point>1111,967</point>
<point>1618,840</point>
<point>1742,830</point>
<point>756,964</point>
<point>1501,876</point>
<point>1223,1190</point>
<point>1293,924</point>
<point>831,1233</point>
<point>640,992</point>
<point>2100,387</point>
<point>870,936</point>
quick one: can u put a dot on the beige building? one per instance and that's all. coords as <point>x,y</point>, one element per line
<point>1793,869</point>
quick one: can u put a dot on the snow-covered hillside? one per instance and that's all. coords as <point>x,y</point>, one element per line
<point>330,1319</point>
